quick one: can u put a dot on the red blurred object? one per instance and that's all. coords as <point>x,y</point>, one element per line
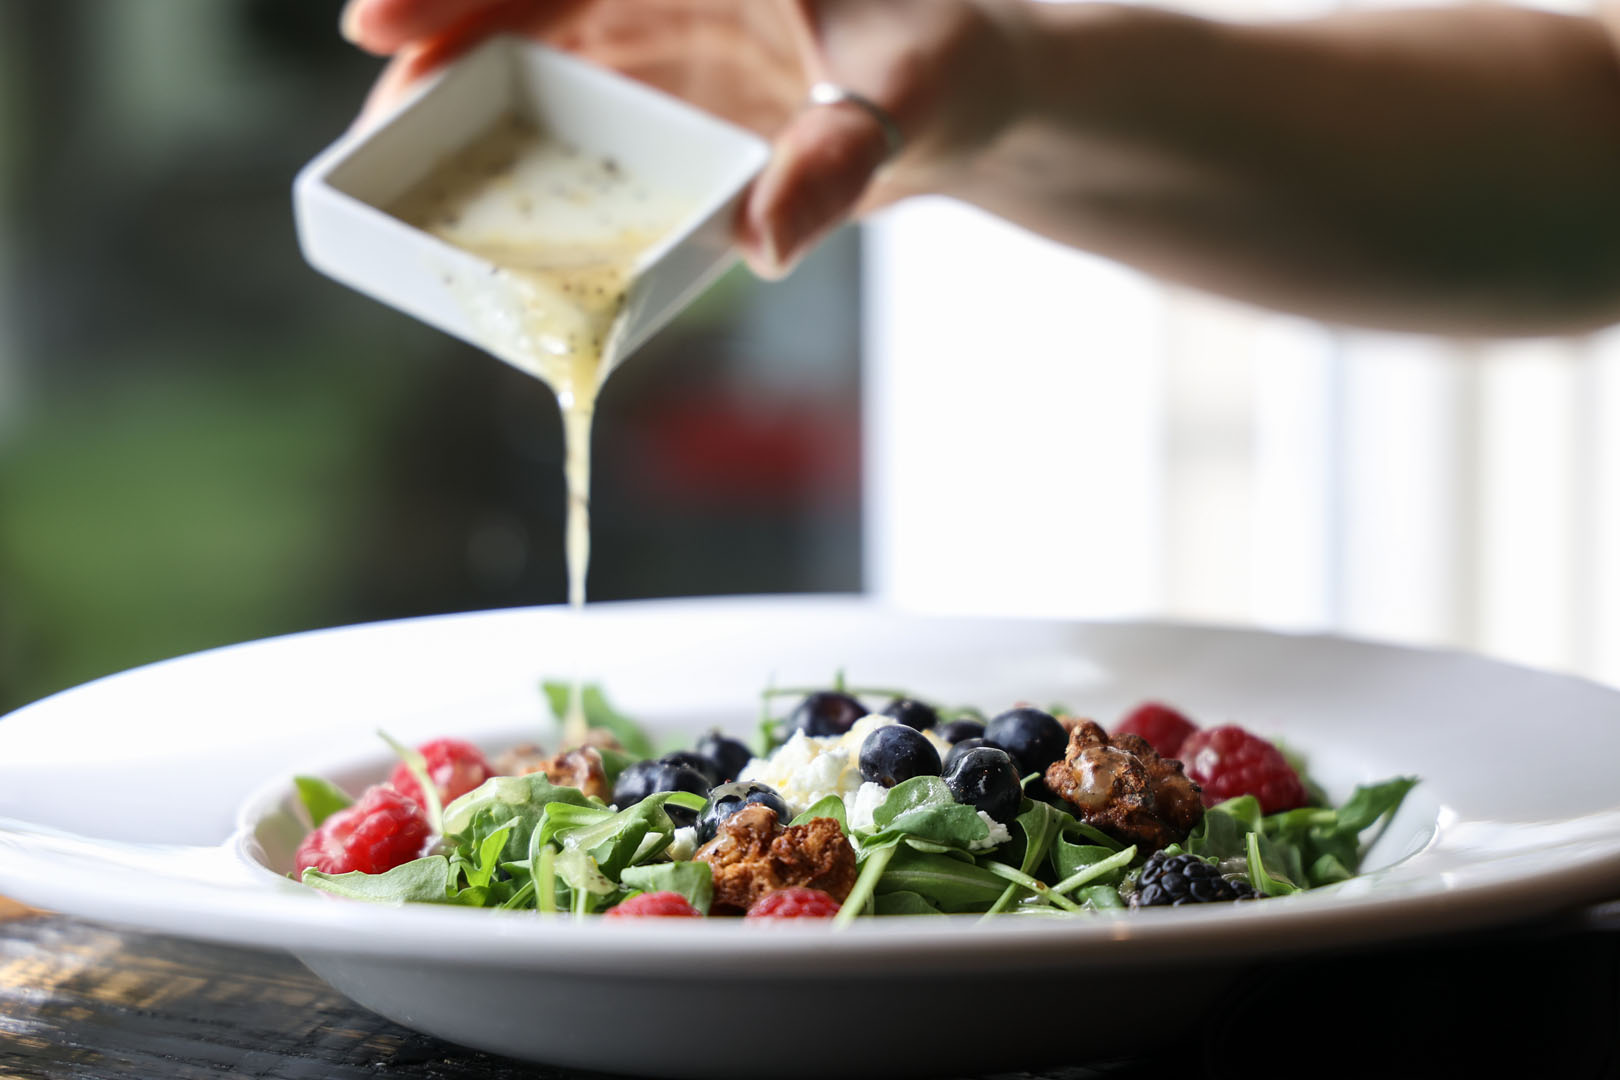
<point>727,451</point>
<point>654,905</point>
<point>1163,727</point>
<point>796,902</point>
<point>1228,761</point>
<point>455,767</point>
<point>376,834</point>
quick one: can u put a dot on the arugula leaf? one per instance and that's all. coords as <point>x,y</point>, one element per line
<point>489,853</point>
<point>321,798</point>
<point>828,806</point>
<point>951,884</point>
<point>923,808</point>
<point>584,879</point>
<point>1264,881</point>
<point>1071,859</point>
<point>1101,898</point>
<point>1370,802</point>
<point>903,902</point>
<point>416,764</point>
<point>1073,826</point>
<point>1040,825</point>
<point>616,841</point>
<point>599,714</point>
<point>543,876</point>
<point>1326,870</point>
<point>614,762</point>
<point>518,801</point>
<point>1328,842</point>
<point>693,880</point>
<point>1101,871</point>
<point>425,880</point>
<point>1222,832</point>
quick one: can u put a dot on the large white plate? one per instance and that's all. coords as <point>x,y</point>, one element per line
<point>125,797</point>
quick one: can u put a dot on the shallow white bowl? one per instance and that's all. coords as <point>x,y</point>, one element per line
<point>167,782</point>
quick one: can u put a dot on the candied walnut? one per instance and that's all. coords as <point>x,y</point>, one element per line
<point>1071,723</point>
<point>581,768</point>
<point>521,760</point>
<point>1123,787</point>
<point>602,739</point>
<point>752,856</point>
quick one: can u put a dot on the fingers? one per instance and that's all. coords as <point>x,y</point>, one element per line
<point>823,162</point>
<point>386,26</point>
<point>419,58</point>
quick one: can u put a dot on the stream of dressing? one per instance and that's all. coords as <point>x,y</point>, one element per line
<point>564,230</point>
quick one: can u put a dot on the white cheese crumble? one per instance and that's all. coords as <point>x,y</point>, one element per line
<point>999,833</point>
<point>684,844</point>
<point>806,769</point>
<point>867,799</point>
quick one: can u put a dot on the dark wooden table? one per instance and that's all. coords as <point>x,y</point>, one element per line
<point>86,1002</point>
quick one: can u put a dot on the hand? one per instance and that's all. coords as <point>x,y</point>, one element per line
<point>944,69</point>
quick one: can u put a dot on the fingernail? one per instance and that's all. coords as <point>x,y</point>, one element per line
<point>349,22</point>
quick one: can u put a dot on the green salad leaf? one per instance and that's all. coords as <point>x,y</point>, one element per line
<point>422,881</point>
<point>693,880</point>
<point>321,798</point>
<point>526,843</point>
<point>923,809</point>
<point>827,806</point>
<point>599,714</point>
<point>516,801</point>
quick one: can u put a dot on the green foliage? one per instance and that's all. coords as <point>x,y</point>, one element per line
<point>321,798</point>
<point>523,842</point>
<point>599,714</point>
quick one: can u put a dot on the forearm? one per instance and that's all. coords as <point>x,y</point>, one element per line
<point>1441,169</point>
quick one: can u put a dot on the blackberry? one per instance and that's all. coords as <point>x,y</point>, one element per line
<point>1185,879</point>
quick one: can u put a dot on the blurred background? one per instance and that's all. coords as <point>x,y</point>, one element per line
<point>203,441</point>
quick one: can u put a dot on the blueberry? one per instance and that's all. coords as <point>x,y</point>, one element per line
<point>986,779</point>
<point>646,778</point>
<point>961,748</point>
<point>1034,739</point>
<point>729,755</point>
<point>696,762</point>
<point>957,730</point>
<point>826,712</point>
<point>727,799</point>
<point>895,753</point>
<point>912,713</point>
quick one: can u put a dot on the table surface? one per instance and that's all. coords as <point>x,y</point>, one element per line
<point>80,1000</point>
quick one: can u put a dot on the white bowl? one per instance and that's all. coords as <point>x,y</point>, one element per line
<point>184,766</point>
<point>340,198</point>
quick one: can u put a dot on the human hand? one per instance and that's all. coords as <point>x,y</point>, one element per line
<point>944,70</point>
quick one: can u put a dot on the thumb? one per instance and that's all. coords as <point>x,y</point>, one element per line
<point>821,165</point>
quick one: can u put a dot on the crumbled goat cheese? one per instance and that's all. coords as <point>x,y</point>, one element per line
<point>684,844</point>
<point>806,769</point>
<point>999,833</point>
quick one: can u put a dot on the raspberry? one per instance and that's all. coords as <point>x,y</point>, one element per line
<point>378,833</point>
<point>1185,879</point>
<point>456,767</point>
<point>1228,761</point>
<point>796,902</point>
<point>654,905</point>
<point>1163,727</point>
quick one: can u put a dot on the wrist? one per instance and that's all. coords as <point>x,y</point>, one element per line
<point>1109,70</point>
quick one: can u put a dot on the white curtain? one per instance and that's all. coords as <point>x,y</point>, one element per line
<point>1048,433</point>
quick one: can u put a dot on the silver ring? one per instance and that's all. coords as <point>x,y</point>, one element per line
<point>828,93</point>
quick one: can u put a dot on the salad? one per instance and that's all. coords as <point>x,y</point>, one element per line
<point>845,813</point>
